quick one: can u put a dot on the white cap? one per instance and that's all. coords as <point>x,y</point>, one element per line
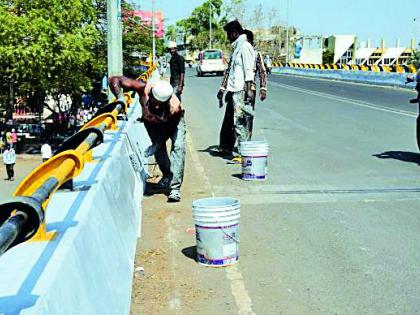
<point>162,91</point>
<point>171,44</point>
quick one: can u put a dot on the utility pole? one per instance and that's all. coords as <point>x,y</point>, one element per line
<point>211,28</point>
<point>154,32</point>
<point>287,31</point>
<point>115,58</point>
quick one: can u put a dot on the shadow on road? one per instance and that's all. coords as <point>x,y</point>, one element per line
<point>190,252</point>
<point>410,157</point>
<point>154,189</point>
<point>239,176</point>
<point>212,150</point>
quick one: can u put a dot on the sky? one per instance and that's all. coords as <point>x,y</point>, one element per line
<point>368,19</point>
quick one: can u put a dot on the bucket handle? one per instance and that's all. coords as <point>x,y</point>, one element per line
<point>228,235</point>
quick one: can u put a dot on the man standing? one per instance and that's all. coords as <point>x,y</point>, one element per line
<point>163,117</point>
<point>267,63</point>
<point>177,66</point>
<point>9,159</point>
<point>14,138</point>
<point>260,70</point>
<point>239,87</point>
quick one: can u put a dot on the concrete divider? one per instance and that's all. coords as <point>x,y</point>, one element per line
<point>358,76</point>
<point>87,268</point>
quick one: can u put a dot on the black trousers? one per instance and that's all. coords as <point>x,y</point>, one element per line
<point>227,137</point>
<point>10,171</point>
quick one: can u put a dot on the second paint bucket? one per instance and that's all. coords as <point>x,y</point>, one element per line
<point>217,230</point>
<point>254,159</point>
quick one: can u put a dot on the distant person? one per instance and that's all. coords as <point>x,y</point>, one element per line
<point>14,137</point>
<point>177,67</point>
<point>162,66</point>
<point>239,90</point>
<point>163,117</point>
<point>267,63</point>
<point>46,152</point>
<point>9,138</point>
<point>416,79</point>
<point>9,160</point>
<point>2,142</point>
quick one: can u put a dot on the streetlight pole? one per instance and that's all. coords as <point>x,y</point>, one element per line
<point>211,28</point>
<point>154,32</point>
<point>287,31</point>
<point>114,35</point>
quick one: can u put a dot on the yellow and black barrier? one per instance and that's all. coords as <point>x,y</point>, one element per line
<point>374,68</point>
<point>148,74</point>
<point>22,218</point>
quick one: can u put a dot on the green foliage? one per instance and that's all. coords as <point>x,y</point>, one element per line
<point>59,47</point>
<point>415,59</point>
<point>327,57</point>
<point>137,40</point>
<point>198,25</point>
<point>48,48</point>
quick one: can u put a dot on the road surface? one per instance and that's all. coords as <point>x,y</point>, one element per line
<point>334,229</point>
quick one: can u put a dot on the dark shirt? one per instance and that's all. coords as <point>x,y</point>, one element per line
<point>177,64</point>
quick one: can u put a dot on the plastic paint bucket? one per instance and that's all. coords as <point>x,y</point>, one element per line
<point>217,230</point>
<point>254,159</point>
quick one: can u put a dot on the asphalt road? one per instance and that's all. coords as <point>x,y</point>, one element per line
<point>334,229</point>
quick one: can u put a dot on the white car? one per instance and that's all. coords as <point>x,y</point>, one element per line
<point>210,61</point>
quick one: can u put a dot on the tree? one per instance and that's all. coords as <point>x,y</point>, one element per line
<point>235,10</point>
<point>47,48</point>
<point>171,33</point>
<point>327,57</point>
<point>137,40</point>
<point>198,25</point>
<point>415,59</point>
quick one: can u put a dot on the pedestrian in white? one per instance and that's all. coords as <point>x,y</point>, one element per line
<point>238,83</point>
<point>46,152</point>
<point>9,159</point>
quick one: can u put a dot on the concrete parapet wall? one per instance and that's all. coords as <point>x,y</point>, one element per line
<point>367,77</point>
<point>87,268</point>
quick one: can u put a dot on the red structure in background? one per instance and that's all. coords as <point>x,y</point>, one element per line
<point>146,17</point>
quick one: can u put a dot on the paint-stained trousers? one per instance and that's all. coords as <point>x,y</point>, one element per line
<point>172,167</point>
<point>237,122</point>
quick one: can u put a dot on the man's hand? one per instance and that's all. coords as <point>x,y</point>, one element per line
<point>263,95</point>
<point>220,94</point>
<point>250,93</point>
<point>180,88</point>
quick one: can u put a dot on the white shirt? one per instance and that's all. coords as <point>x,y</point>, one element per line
<point>242,64</point>
<point>9,156</point>
<point>46,151</point>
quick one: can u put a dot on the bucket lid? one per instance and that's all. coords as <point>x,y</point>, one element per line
<point>215,202</point>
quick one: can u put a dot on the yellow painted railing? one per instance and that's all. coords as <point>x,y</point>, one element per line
<point>22,218</point>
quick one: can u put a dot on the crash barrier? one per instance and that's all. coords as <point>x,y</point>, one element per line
<point>87,264</point>
<point>373,68</point>
<point>368,77</point>
<point>148,73</point>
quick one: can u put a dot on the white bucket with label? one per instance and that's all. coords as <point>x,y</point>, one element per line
<point>217,230</point>
<point>254,159</point>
